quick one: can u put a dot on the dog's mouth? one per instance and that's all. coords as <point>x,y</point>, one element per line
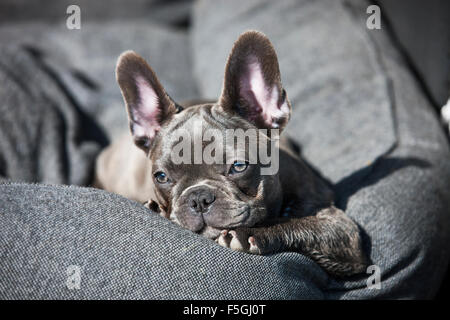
<point>213,231</point>
<point>210,227</point>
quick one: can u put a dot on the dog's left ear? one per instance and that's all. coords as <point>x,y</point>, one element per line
<point>252,84</point>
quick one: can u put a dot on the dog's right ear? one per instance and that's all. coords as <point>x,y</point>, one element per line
<point>148,105</point>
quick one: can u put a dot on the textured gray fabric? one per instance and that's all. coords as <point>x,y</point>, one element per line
<point>170,12</point>
<point>44,135</point>
<point>91,54</point>
<point>361,119</point>
<point>127,252</point>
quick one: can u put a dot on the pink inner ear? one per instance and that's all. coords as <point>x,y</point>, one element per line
<point>262,99</point>
<point>147,110</point>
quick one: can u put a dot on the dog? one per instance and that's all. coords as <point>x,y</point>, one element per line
<point>231,202</point>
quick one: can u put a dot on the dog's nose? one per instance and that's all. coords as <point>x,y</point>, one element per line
<point>200,200</point>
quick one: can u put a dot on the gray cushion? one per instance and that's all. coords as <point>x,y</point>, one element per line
<point>125,251</point>
<point>174,13</point>
<point>44,134</point>
<point>91,54</point>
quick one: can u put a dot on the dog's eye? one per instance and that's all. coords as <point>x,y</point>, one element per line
<point>238,166</point>
<point>161,177</point>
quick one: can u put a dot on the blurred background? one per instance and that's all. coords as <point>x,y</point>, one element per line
<point>420,28</point>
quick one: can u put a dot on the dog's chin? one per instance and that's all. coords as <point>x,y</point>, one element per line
<point>245,217</point>
<point>210,232</point>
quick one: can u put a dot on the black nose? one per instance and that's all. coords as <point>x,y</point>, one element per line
<point>200,200</point>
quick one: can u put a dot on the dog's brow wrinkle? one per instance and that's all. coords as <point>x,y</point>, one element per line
<point>209,118</point>
<point>196,185</point>
<point>178,124</point>
<point>225,122</point>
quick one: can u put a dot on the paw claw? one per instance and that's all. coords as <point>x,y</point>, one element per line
<point>253,246</point>
<point>236,243</point>
<point>238,240</point>
<point>224,239</point>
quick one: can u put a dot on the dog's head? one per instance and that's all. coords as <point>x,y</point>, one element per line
<point>202,174</point>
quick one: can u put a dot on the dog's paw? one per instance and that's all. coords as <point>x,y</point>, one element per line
<point>239,240</point>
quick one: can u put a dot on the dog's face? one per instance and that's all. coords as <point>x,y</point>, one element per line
<point>218,184</point>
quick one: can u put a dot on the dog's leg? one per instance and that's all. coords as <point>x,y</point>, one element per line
<point>330,238</point>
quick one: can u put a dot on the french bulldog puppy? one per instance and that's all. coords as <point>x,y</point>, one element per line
<point>229,200</point>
